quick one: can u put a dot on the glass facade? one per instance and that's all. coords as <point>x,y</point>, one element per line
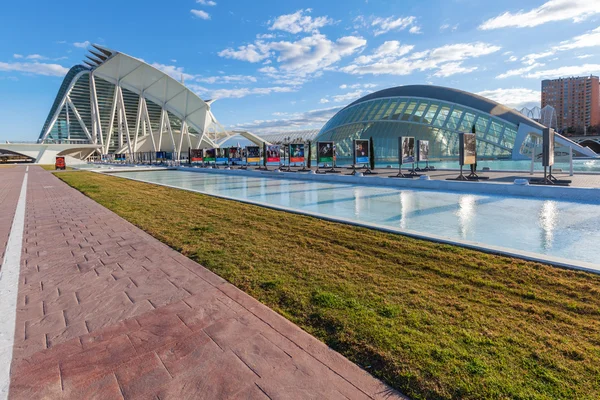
<point>438,121</point>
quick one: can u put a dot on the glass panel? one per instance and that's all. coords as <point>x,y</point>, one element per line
<point>409,110</point>
<point>362,111</point>
<point>442,115</point>
<point>399,110</point>
<point>382,110</point>
<point>481,125</point>
<point>454,118</point>
<point>419,112</point>
<point>375,109</point>
<point>390,109</point>
<point>467,123</point>
<point>430,114</point>
<point>495,131</point>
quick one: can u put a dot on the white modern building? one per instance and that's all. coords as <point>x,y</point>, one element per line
<point>118,104</point>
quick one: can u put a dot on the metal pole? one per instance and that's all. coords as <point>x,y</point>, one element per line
<point>570,161</point>
<point>532,160</point>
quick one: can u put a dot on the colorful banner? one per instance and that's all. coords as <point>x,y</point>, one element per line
<point>210,155</point>
<point>60,163</point>
<point>235,154</point>
<point>407,149</point>
<point>361,151</point>
<point>423,150</point>
<point>196,155</point>
<point>252,154</point>
<point>273,153</point>
<point>325,152</point>
<point>222,156</point>
<point>297,152</point>
<point>548,147</point>
<point>467,148</point>
<point>161,155</point>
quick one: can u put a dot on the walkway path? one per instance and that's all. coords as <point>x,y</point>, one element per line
<point>106,311</point>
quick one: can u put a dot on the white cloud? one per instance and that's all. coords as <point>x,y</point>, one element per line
<point>551,11</point>
<point>448,58</point>
<point>36,57</point>
<point>531,59</point>
<point>452,68</point>
<point>512,59</point>
<point>238,93</point>
<point>206,2</point>
<point>266,36</point>
<point>323,101</point>
<point>200,14</point>
<point>359,85</point>
<point>448,27</point>
<point>252,53</point>
<point>35,68</point>
<point>588,39</point>
<point>313,119</point>
<point>82,45</point>
<point>391,48</point>
<point>384,25</point>
<point>223,79</point>
<point>415,30</point>
<point>585,56</point>
<point>515,97</point>
<point>346,97</point>
<point>299,22</point>
<point>519,71</point>
<point>575,70</point>
<point>173,71</point>
<point>17,55</point>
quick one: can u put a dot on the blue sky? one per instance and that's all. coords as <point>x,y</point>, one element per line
<point>281,65</point>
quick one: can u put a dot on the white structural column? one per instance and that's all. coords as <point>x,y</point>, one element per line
<point>112,121</point>
<point>79,119</point>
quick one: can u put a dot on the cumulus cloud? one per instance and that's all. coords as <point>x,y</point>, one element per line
<point>444,61</point>
<point>238,93</point>
<point>17,55</point>
<point>551,11</point>
<point>35,68</point>
<point>200,14</point>
<point>173,71</point>
<point>448,27</point>
<point>391,48</point>
<point>515,97</point>
<point>82,45</point>
<point>206,2</point>
<point>222,79</point>
<point>299,22</point>
<point>252,53</point>
<point>519,71</point>
<point>359,85</point>
<point>345,97</point>
<point>588,39</point>
<point>313,119</point>
<point>585,69</point>
<point>384,25</point>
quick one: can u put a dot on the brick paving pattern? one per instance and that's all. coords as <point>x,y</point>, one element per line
<point>106,311</point>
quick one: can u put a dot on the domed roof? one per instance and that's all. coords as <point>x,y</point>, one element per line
<point>452,96</point>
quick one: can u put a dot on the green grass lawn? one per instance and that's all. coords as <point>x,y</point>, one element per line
<point>432,320</point>
<point>51,167</point>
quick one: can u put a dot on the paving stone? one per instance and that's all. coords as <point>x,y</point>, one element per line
<point>142,376</point>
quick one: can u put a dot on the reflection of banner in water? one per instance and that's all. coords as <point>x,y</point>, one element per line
<point>222,156</point>
<point>423,150</point>
<point>361,151</point>
<point>210,155</point>
<point>467,144</point>
<point>324,152</point>
<point>235,153</point>
<point>252,154</point>
<point>548,147</point>
<point>406,149</point>
<point>297,152</point>
<point>196,155</point>
<point>273,153</point>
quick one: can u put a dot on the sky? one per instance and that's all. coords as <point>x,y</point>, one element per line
<point>275,66</point>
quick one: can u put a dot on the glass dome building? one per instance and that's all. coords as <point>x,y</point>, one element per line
<point>437,114</point>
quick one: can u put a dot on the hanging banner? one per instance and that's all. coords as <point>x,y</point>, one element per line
<point>273,153</point>
<point>423,150</point>
<point>548,147</point>
<point>297,152</point>
<point>252,154</point>
<point>210,155</point>
<point>407,149</point>
<point>361,151</point>
<point>222,156</point>
<point>196,155</point>
<point>60,163</point>
<point>235,154</point>
<point>467,146</point>
<point>325,152</point>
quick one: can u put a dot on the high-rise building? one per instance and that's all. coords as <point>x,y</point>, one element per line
<point>576,101</point>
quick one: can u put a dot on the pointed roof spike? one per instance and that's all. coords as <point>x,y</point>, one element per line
<point>98,62</point>
<point>104,50</point>
<point>90,64</point>
<point>100,56</point>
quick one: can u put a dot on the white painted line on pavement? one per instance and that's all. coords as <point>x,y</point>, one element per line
<point>9,288</point>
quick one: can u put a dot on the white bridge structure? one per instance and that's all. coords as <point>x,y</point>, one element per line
<point>118,104</point>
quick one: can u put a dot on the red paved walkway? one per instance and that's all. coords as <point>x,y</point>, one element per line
<point>11,179</point>
<point>106,311</point>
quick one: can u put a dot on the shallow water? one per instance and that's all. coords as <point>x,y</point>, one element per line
<point>569,230</point>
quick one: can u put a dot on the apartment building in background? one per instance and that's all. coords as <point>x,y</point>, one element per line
<point>575,99</point>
